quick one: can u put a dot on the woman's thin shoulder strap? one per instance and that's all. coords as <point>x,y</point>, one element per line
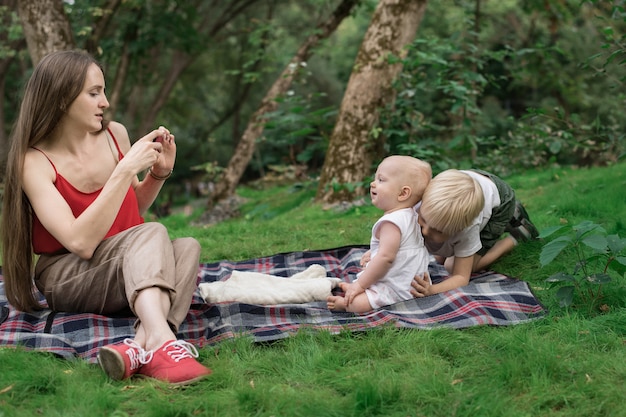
<point>49,160</point>
<point>120,154</point>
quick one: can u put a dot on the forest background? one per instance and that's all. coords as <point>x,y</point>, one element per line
<point>518,87</point>
<point>500,85</point>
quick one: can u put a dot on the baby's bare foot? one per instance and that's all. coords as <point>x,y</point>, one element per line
<point>336,303</point>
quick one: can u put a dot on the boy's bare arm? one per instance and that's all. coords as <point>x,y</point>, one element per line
<point>460,277</point>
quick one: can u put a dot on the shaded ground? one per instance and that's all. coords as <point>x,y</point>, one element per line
<point>224,210</point>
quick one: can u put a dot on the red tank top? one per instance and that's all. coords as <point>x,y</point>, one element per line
<point>127,217</point>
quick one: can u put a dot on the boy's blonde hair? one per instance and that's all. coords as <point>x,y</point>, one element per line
<point>414,173</point>
<point>452,201</point>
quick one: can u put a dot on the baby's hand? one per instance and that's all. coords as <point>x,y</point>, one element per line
<point>367,256</point>
<point>351,290</point>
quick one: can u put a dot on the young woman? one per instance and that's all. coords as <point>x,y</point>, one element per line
<point>72,196</point>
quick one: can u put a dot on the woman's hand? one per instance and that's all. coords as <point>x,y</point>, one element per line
<point>156,150</point>
<point>421,286</point>
<point>165,162</point>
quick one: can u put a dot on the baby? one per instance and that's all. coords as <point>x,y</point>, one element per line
<point>397,252</point>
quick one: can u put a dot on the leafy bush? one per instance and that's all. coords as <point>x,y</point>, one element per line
<point>596,254</point>
<point>471,97</point>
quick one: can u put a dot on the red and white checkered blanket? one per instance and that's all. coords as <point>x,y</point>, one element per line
<point>489,299</point>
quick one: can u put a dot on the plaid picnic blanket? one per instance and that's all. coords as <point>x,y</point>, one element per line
<point>489,299</point>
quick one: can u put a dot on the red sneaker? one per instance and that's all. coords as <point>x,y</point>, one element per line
<point>123,360</point>
<point>175,362</point>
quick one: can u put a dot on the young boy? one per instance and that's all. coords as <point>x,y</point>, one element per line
<point>397,252</point>
<point>463,215</point>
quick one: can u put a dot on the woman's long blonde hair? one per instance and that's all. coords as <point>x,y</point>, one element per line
<point>54,85</point>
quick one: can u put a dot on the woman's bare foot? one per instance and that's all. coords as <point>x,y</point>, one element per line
<point>336,303</point>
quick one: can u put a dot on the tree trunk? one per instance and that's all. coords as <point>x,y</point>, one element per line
<point>350,153</point>
<point>244,151</point>
<point>46,27</point>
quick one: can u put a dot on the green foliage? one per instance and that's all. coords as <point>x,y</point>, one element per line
<point>210,170</point>
<point>526,86</point>
<point>437,98</point>
<point>10,30</point>
<point>12,49</point>
<point>298,131</point>
<point>477,94</point>
<point>614,37</point>
<point>594,252</point>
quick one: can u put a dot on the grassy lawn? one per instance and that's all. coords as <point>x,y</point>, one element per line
<point>572,363</point>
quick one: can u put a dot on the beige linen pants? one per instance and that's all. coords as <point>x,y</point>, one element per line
<point>123,265</point>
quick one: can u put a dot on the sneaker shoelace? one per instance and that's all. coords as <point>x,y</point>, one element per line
<point>138,356</point>
<point>180,349</point>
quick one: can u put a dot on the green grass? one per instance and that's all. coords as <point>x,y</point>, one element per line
<point>572,363</point>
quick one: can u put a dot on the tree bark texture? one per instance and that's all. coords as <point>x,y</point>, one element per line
<point>350,156</point>
<point>46,27</point>
<point>244,151</point>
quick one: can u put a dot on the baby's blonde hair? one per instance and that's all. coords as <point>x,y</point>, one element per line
<point>414,173</point>
<point>452,201</point>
